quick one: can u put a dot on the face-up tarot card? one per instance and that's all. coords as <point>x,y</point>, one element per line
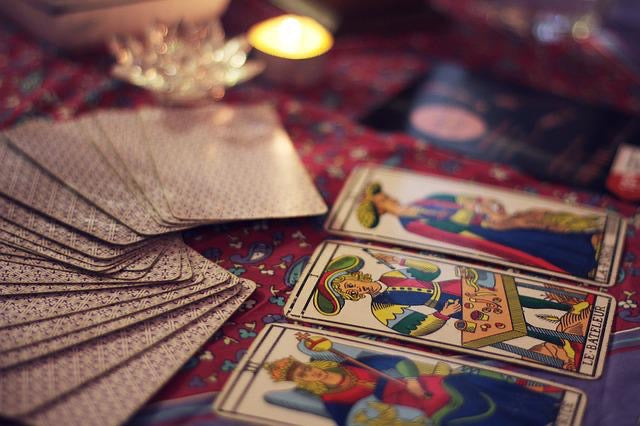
<point>482,222</point>
<point>299,375</point>
<point>456,306</point>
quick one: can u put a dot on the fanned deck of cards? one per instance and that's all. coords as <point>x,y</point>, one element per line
<point>101,301</point>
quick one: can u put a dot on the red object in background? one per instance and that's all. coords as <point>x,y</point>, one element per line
<point>625,186</point>
<point>624,178</point>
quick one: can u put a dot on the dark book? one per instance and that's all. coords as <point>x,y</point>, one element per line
<point>546,136</point>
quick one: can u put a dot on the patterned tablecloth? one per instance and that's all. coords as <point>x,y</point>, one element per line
<point>362,71</point>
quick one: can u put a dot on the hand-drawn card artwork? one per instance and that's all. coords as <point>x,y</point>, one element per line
<point>302,376</point>
<point>455,306</point>
<point>479,221</point>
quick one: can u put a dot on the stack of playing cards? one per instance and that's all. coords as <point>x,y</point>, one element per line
<point>101,299</point>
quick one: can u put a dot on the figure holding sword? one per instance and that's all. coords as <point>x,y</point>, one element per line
<point>394,383</point>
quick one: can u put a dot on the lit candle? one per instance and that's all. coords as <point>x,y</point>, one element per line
<point>292,47</point>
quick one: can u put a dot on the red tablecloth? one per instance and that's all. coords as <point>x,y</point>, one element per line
<point>363,71</point>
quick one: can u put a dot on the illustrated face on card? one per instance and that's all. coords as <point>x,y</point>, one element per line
<point>299,375</point>
<point>455,306</point>
<point>479,221</point>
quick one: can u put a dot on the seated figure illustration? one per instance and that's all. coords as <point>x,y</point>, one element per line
<point>411,283</point>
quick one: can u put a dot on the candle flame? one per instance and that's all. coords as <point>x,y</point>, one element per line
<point>290,36</point>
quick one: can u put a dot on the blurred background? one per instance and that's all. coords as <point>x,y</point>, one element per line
<point>536,95</point>
<point>552,87</point>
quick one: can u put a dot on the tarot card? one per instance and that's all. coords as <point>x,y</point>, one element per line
<point>212,187</point>
<point>54,147</point>
<point>102,142</point>
<point>75,311</point>
<point>456,306</point>
<point>294,375</point>
<point>63,234</point>
<point>483,222</point>
<point>29,306</point>
<point>75,329</point>
<point>70,368</point>
<point>127,143</point>
<point>171,266</point>
<point>42,281</point>
<point>25,182</point>
<point>29,241</point>
<point>29,290</point>
<point>112,397</point>
<point>138,261</point>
